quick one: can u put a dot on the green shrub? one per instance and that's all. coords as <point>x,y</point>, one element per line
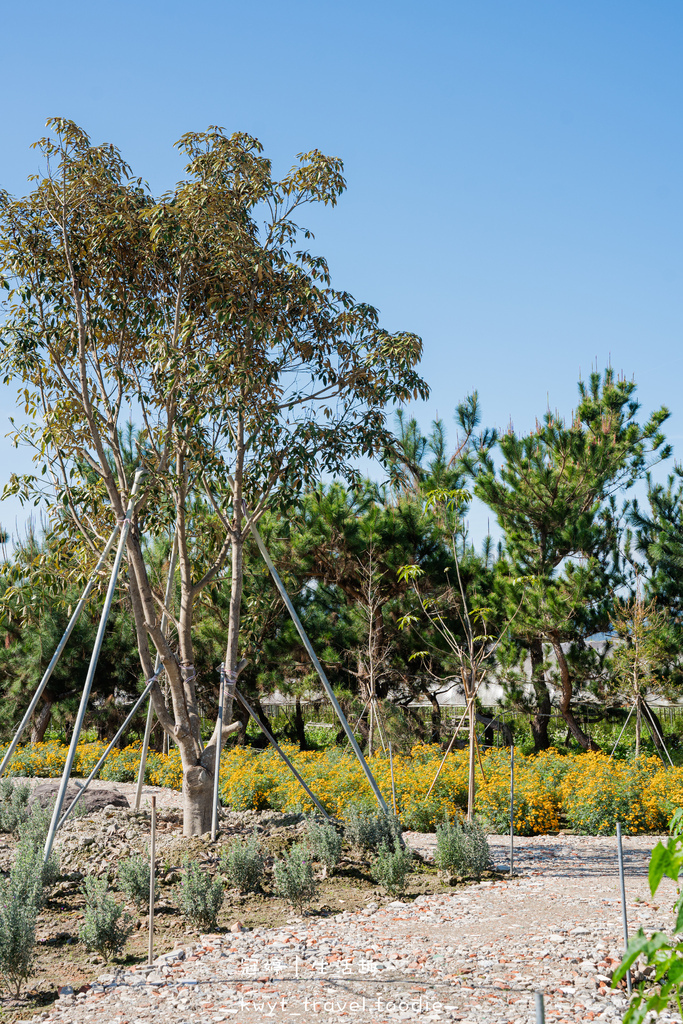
<point>32,876</point>
<point>36,825</point>
<point>106,926</point>
<point>462,848</point>
<point>201,896</point>
<point>323,843</point>
<point>422,816</point>
<point>367,830</point>
<point>13,804</point>
<point>134,878</point>
<point>392,867</point>
<point>294,878</point>
<point>243,864</point>
<point>18,917</point>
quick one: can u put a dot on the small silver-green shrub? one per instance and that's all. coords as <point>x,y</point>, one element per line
<point>323,843</point>
<point>366,830</point>
<point>18,917</point>
<point>105,926</point>
<point>32,876</point>
<point>294,878</point>
<point>462,848</point>
<point>200,896</point>
<point>13,804</point>
<point>243,864</point>
<point>36,825</point>
<point>392,867</point>
<point>133,877</point>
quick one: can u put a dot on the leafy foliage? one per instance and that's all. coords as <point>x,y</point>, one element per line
<point>106,926</point>
<point>243,864</point>
<point>14,806</point>
<point>294,878</point>
<point>367,830</point>
<point>252,374</point>
<point>200,896</point>
<point>324,843</point>
<point>392,867</point>
<point>134,880</point>
<point>659,951</point>
<point>462,847</point>
<point>18,918</point>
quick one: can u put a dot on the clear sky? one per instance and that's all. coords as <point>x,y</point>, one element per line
<point>514,169</point>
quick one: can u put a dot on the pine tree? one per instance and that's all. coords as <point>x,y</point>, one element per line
<point>554,498</point>
<point>659,536</point>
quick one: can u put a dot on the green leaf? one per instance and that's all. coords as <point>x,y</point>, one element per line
<point>660,865</point>
<point>407,573</point>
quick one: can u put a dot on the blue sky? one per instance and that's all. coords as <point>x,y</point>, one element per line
<point>514,169</point>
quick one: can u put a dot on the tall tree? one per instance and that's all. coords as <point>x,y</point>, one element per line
<point>249,373</point>
<point>554,498</point>
<point>659,537</point>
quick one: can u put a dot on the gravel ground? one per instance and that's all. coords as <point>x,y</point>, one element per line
<point>476,955</point>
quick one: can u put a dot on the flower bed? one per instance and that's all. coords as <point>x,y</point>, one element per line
<point>591,791</point>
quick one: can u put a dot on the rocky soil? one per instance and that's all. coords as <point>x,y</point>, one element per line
<point>472,953</point>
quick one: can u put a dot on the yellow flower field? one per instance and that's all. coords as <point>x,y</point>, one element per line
<point>587,792</point>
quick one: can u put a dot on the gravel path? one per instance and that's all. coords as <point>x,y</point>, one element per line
<point>476,955</point>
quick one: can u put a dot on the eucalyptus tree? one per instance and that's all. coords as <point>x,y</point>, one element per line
<point>247,372</point>
<point>554,496</point>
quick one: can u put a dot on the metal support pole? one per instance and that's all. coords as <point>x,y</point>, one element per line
<point>152,879</point>
<point>622,731</point>
<point>393,784</point>
<point>622,884</point>
<point>78,725</point>
<point>157,666</point>
<point>319,669</point>
<point>651,724</point>
<point>540,1008</point>
<point>512,807</point>
<point>219,744</point>
<point>105,755</point>
<point>271,739</point>
<point>60,647</point>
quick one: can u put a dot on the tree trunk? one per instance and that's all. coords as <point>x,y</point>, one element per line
<point>582,738</point>
<point>541,717</point>
<point>435,717</point>
<point>639,726</point>
<point>198,787</point>
<point>231,653</point>
<point>41,721</point>
<point>197,800</point>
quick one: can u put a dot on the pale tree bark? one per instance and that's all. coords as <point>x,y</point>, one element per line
<point>639,725</point>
